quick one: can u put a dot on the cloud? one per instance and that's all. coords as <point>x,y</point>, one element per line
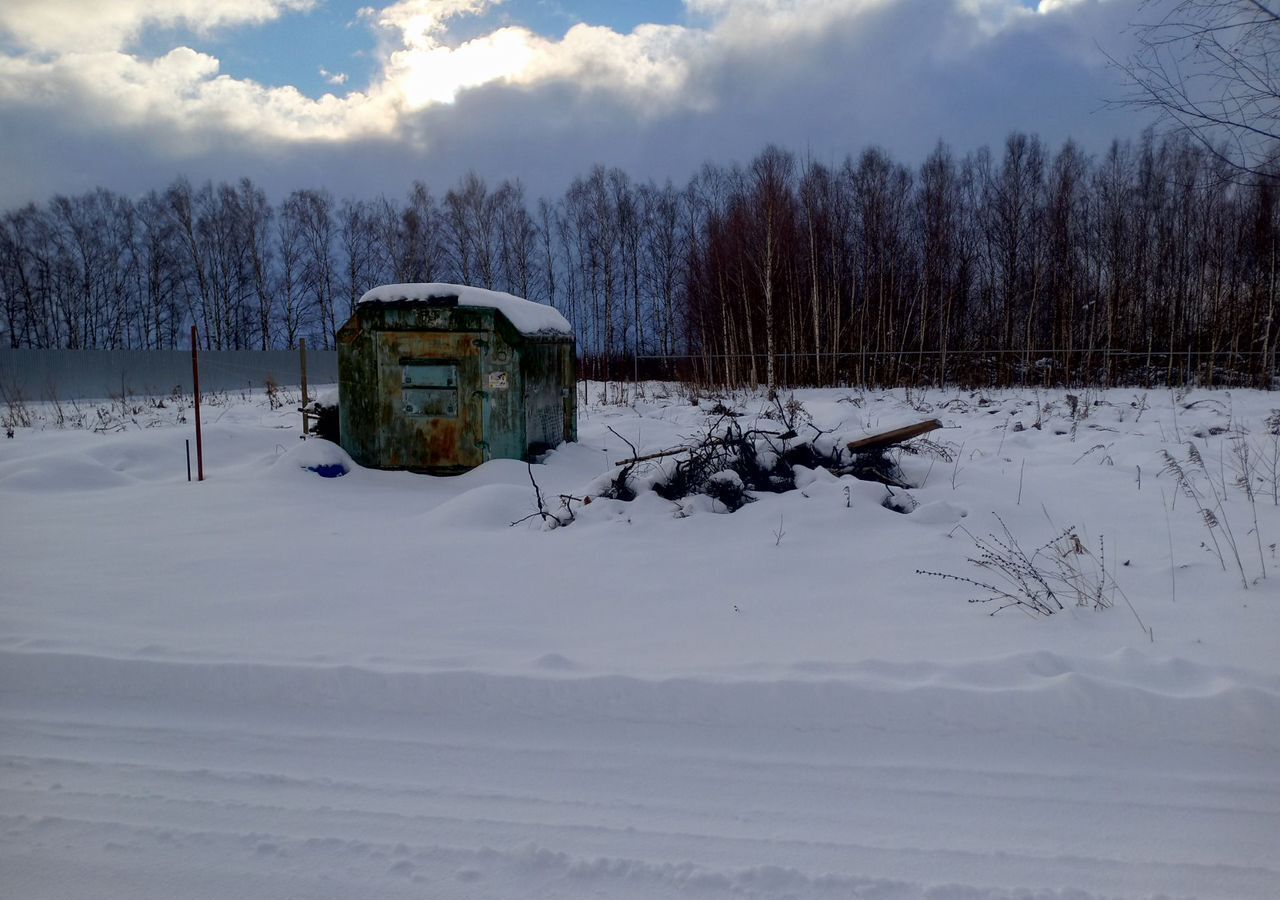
<point>820,74</point>
<point>1048,6</point>
<point>335,78</point>
<point>76,26</point>
<point>179,98</point>
<point>422,23</point>
<point>425,69</point>
<point>185,90</point>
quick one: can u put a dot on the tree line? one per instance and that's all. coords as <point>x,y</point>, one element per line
<point>1153,261</point>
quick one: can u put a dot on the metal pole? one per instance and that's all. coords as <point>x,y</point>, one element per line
<point>188,459</point>
<point>302,353</point>
<point>195,380</point>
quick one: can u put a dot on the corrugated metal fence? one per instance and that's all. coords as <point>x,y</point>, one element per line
<point>35,375</point>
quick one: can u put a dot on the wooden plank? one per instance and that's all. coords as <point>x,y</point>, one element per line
<point>885,439</point>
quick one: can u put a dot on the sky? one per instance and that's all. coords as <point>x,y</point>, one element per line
<point>360,99</point>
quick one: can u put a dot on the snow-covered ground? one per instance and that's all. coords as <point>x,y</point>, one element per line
<point>276,685</point>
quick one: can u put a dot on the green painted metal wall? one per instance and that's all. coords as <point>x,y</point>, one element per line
<point>442,388</point>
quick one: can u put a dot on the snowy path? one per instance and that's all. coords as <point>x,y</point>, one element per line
<point>167,780</point>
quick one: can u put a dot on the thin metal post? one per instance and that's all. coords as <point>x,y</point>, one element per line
<point>188,459</point>
<point>195,379</point>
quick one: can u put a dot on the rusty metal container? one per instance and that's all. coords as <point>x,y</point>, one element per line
<point>440,378</point>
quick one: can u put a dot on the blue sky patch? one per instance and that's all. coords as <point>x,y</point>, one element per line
<point>293,49</point>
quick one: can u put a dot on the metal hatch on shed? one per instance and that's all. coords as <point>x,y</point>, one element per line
<point>431,404</point>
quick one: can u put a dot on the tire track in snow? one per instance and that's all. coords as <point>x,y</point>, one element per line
<point>503,786</point>
<point>243,849</point>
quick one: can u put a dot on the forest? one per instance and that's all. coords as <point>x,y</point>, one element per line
<point>1152,262</point>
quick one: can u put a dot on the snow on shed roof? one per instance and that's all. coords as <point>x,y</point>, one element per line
<point>527,317</point>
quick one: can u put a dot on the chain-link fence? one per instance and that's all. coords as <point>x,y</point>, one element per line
<point>970,368</point>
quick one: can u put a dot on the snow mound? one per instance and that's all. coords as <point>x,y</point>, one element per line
<point>485,506</point>
<point>527,317</point>
<point>939,512</point>
<point>317,455</point>
<point>56,474</point>
<point>141,456</point>
<point>805,477</point>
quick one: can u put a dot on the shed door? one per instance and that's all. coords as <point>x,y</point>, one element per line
<point>433,405</point>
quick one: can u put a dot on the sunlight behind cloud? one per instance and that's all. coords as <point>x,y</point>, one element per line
<point>436,74</point>
<point>1049,6</point>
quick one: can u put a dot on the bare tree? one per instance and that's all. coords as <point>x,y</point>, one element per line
<point>181,202</point>
<point>290,275</point>
<point>358,236</point>
<point>547,229</point>
<point>517,241</point>
<point>25,271</point>
<point>883,295</point>
<point>471,232</point>
<point>662,261</point>
<point>227,251</point>
<point>161,275</point>
<point>938,203</point>
<point>254,215</point>
<point>312,213</point>
<point>770,184</point>
<point>415,237</point>
<point>591,223</point>
<point>1209,68</point>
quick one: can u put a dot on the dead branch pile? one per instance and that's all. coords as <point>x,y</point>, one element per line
<point>728,461</point>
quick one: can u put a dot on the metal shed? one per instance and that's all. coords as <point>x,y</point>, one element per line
<point>442,377</point>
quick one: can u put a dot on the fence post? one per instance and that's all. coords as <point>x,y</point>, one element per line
<point>195,380</point>
<point>302,352</point>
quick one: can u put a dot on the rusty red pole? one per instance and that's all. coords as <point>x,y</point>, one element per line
<point>195,378</point>
<point>302,350</point>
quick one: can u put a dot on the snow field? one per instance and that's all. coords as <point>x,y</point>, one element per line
<point>273,684</point>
